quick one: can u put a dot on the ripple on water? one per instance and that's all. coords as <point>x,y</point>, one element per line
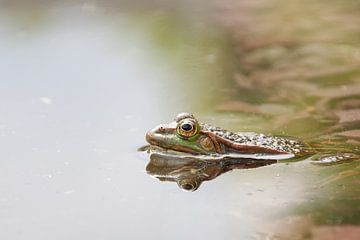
<point>333,158</point>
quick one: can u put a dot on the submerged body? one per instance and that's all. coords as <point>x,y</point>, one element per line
<point>186,134</point>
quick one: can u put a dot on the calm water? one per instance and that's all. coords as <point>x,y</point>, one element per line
<point>80,85</point>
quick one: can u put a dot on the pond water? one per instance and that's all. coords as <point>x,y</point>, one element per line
<point>81,84</point>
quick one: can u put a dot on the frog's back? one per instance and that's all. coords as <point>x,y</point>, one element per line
<point>276,143</point>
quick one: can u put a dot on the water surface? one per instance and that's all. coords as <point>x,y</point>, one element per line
<point>80,85</point>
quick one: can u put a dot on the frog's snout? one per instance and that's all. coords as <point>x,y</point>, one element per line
<point>154,135</point>
<point>150,136</point>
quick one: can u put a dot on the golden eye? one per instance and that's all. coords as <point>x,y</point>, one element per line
<point>187,128</point>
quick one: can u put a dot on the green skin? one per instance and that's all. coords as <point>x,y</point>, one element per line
<point>210,140</point>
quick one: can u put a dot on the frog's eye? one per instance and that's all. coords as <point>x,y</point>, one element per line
<point>187,128</point>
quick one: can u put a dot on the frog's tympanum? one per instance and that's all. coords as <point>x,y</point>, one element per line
<point>189,152</point>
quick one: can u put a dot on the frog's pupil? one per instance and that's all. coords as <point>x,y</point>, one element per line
<point>186,127</point>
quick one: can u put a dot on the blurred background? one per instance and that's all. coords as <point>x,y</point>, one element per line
<point>82,81</point>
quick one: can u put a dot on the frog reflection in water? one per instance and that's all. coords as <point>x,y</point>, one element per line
<point>189,152</point>
<point>189,172</point>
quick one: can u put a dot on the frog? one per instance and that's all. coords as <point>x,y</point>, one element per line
<point>189,152</point>
<point>187,135</point>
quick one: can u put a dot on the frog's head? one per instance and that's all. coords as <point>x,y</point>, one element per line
<point>182,135</point>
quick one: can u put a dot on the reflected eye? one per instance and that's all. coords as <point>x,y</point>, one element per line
<point>187,128</point>
<point>188,184</point>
